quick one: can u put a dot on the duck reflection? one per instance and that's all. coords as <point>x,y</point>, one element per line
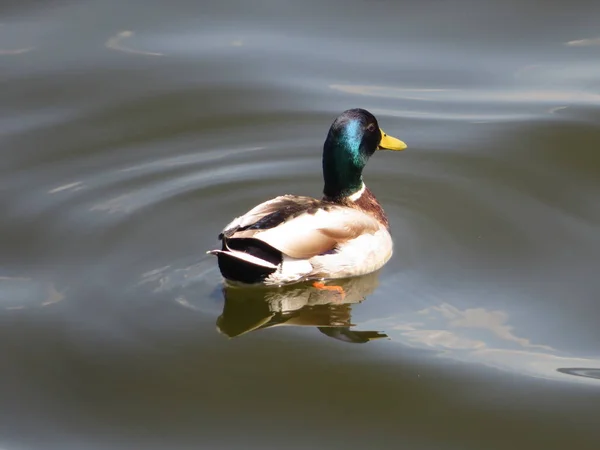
<point>249,309</point>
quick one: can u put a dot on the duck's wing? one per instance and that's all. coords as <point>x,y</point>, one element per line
<point>301,227</point>
<point>269,214</point>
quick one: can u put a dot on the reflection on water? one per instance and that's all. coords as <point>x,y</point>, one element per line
<point>485,337</point>
<point>584,42</point>
<point>18,293</point>
<point>116,43</point>
<point>249,309</point>
<point>485,105</point>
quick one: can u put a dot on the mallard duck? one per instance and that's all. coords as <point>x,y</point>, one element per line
<point>294,238</point>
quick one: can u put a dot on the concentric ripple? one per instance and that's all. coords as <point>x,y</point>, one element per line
<point>495,230</point>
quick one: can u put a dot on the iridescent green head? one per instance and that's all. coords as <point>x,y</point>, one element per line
<point>353,138</point>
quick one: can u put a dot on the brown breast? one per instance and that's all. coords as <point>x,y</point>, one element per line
<point>366,203</point>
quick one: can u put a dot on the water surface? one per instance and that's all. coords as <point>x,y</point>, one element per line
<point>131,134</point>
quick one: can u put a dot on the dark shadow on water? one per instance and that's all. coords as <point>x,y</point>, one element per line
<point>580,372</point>
<point>248,309</point>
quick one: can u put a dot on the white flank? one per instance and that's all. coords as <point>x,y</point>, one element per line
<point>365,254</point>
<point>295,267</point>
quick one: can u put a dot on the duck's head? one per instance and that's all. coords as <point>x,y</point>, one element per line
<point>352,139</point>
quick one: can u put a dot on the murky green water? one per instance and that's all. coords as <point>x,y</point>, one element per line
<point>130,135</point>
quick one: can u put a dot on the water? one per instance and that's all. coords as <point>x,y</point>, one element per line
<point>131,134</point>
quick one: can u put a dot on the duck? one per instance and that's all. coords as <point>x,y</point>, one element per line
<point>293,238</point>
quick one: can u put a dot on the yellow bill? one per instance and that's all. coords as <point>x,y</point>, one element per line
<point>390,143</point>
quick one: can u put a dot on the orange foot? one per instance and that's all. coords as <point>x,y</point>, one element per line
<point>323,286</point>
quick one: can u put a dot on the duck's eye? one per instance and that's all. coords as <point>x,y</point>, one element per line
<point>371,127</point>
